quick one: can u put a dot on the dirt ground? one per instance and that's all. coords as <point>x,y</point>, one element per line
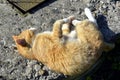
<point>15,67</point>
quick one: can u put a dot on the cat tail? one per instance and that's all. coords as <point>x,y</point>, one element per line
<point>23,48</point>
<point>88,13</point>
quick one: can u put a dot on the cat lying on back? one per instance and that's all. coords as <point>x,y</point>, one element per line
<point>62,50</point>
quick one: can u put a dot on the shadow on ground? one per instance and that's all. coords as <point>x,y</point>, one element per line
<point>45,3</point>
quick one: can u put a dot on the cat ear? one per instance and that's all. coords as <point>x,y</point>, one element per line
<point>21,42</point>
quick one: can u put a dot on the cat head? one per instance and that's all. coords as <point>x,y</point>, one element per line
<point>25,37</point>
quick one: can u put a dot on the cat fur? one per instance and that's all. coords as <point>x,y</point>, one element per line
<point>62,50</point>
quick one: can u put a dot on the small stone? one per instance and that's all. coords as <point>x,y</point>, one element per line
<point>3,1</point>
<point>74,0</point>
<point>79,11</point>
<point>108,1</point>
<point>118,4</point>
<point>31,63</point>
<point>2,41</point>
<point>104,6</point>
<point>28,70</point>
<point>87,1</point>
<point>101,2</point>
<point>55,10</point>
<point>41,72</point>
<point>52,20</point>
<point>36,74</point>
<point>73,9</point>
<point>37,67</point>
<point>91,6</point>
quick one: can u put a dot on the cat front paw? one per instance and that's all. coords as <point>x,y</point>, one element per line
<point>69,19</point>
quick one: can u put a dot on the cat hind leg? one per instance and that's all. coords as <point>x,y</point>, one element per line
<point>88,13</point>
<point>65,29</point>
<point>61,27</point>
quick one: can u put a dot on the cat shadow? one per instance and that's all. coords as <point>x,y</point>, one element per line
<point>108,34</point>
<point>104,28</point>
<point>40,6</point>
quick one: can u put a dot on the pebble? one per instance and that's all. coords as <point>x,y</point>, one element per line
<point>41,72</point>
<point>2,41</point>
<point>118,4</point>
<point>31,62</point>
<point>56,10</point>
<point>79,11</point>
<point>3,1</point>
<point>87,1</point>
<point>28,70</point>
<point>37,67</point>
<point>74,0</point>
<point>104,6</point>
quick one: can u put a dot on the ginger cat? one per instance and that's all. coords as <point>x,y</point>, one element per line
<point>62,50</point>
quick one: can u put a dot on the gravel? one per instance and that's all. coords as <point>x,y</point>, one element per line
<point>15,67</point>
